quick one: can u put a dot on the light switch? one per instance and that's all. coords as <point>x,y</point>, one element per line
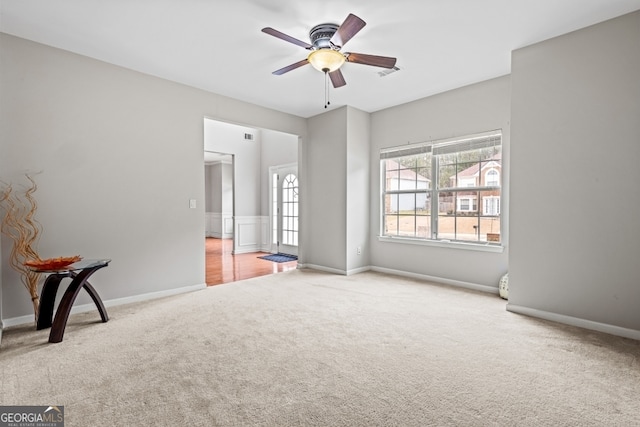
<point>192,203</point>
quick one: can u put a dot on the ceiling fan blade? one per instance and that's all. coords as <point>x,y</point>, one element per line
<point>337,79</point>
<point>375,60</point>
<point>283,36</point>
<point>347,30</point>
<point>290,67</point>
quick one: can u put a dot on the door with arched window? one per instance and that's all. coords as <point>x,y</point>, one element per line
<point>285,210</point>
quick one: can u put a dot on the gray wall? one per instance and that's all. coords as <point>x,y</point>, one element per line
<point>324,191</point>
<point>335,216</point>
<point>575,205</point>
<point>218,187</point>
<point>471,109</point>
<point>358,169</point>
<point>121,154</point>
<point>226,187</point>
<point>278,148</point>
<point>211,176</point>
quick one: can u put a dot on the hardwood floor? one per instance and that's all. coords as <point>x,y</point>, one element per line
<point>224,267</point>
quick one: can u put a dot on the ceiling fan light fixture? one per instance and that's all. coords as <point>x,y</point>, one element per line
<point>326,60</point>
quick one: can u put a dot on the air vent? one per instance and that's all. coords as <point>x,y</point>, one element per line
<point>248,136</point>
<point>388,71</point>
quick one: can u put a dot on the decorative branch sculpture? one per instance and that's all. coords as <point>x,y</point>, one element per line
<point>20,225</point>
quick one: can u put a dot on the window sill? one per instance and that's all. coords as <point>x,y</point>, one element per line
<point>481,247</point>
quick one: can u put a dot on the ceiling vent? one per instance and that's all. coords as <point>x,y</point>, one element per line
<point>388,71</point>
<point>248,136</point>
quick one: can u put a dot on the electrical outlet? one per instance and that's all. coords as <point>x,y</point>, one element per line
<point>359,250</point>
<point>192,203</point>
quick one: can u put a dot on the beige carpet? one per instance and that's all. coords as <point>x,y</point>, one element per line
<point>304,348</point>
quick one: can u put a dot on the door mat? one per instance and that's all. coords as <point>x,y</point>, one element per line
<point>279,257</point>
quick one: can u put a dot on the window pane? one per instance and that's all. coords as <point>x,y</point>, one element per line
<point>390,203</point>
<point>391,225</point>
<point>392,172</point>
<point>408,173</point>
<point>446,203</point>
<point>423,226</point>
<point>447,171</point>
<point>406,225</point>
<point>468,227</point>
<point>406,203</point>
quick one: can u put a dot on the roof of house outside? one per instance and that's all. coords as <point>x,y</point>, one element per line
<point>395,170</point>
<point>473,170</point>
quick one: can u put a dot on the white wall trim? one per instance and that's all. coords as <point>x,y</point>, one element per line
<point>457,283</point>
<point>575,321</point>
<point>21,320</point>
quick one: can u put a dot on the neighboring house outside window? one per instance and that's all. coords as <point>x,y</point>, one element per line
<point>406,179</point>
<point>460,201</point>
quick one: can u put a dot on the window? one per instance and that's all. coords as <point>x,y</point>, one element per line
<point>274,209</point>
<point>491,205</point>
<point>290,210</point>
<point>443,191</point>
<point>467,203</point>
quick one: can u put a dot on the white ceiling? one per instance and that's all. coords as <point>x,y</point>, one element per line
<point>217,45</point>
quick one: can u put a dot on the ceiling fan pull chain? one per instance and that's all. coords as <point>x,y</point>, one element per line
<point>326,88</point>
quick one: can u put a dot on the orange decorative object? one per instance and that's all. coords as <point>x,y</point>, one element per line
<point>52,263</point>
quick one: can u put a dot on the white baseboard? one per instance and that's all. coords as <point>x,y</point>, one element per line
<point>21,320</point>
<point>458,283</point>
<point>335,270</point>
<point>575,321</point>
<point>323,268</point>
<point>358,270</point>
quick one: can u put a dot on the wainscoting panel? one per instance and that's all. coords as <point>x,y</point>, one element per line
<point>249,234</point>
<point>227,223</point>
<point>219,225</point>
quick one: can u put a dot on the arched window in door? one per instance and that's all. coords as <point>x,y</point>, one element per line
<point>290,210</point>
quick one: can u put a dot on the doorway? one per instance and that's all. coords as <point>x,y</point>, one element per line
<point>253,153</point>
<point>284,209</point>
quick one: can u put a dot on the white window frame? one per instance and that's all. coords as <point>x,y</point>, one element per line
<point>436,150</point>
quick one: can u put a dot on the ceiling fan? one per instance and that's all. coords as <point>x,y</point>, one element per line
<point>326,42</point>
